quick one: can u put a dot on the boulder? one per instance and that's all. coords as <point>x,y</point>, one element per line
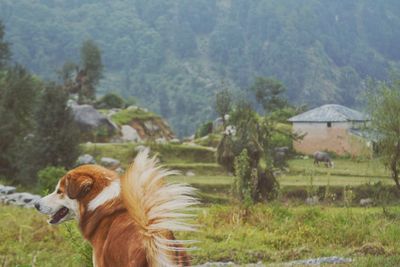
<point>133,107</point>
<point>85,159</point>
<point>151,126</point>
<point>112,112</point>
<point>190,173</point>
<point>120,170</point>
<point>5,190</point>
<point>161,140</point>
<point>175,141</point>
<point>366,202</point>
<point>110,163</point>
<point>129,134</point>
<point>88,118</point>
<point>21,199</point>
<point>312,200</point>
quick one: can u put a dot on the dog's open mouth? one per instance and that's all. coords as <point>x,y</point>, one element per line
<point>61,213</point>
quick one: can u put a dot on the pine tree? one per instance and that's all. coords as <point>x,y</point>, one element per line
<point>223,103</point>
<point>55,140</point>
<point>268,93</point>
<point>92,70</point>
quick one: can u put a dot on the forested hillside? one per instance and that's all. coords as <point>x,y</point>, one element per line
<point>172,55</point>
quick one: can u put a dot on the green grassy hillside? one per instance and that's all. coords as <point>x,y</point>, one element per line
<point>275,232</point>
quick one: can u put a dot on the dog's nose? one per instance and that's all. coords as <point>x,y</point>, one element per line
<point>37,205</point>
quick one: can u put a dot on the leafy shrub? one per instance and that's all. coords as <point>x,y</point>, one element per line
<point>110,100</point>
<point>212,140</point>
<point>126,116</point>
<point>281,140</point>
<point>79,245</point>
<point>48,178</point>
<point>245,179</point>
<point>204,129</point>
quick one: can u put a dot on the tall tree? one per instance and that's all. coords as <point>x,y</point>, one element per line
<point>92,71</point>
<point>268,93</point>
<point>17,98</point>
<point>4,48</point>
<point>223,103</point>
<point>384,109</point>
<point>55,140</point>
<point>241,151</point>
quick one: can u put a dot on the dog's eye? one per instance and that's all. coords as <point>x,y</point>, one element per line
<point>59,191</point>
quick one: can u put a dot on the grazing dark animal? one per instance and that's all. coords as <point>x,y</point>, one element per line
<point>323,157</point>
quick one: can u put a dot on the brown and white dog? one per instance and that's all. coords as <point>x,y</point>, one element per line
<point>128,220</point>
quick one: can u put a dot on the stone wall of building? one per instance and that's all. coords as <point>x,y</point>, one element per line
<point>336,138</point>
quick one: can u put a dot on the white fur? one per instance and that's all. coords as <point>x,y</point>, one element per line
<point>156,206</point>
<point>51,203</point>
<point>110,192</point>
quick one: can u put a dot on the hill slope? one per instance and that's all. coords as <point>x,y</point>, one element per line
<point>173,55</point>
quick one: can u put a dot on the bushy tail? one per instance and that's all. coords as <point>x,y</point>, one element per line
<point>156,207</point>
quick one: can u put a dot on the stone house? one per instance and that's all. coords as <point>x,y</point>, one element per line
<point>333,128</point>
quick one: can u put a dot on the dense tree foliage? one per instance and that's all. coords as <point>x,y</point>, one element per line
<point>91,71</point>
<point>4,48</point>
<point>384,107</point>
<point>321,50</point>
<point>17,99</point>
<point>223,103</point>
<point>268,94</point>
<point>55,136</point>
<point>242,152</point>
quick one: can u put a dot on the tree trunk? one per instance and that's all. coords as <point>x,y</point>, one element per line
<point>393,166</point>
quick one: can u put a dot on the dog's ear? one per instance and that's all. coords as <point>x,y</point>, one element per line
<point>78,186</point>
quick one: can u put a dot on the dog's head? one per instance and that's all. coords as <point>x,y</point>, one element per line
<point>80,190</point>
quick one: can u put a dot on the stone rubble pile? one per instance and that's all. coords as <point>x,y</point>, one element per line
<point>8,195</point>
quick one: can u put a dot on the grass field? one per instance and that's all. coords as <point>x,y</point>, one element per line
<point>270,233</point>
<point>300,173</point>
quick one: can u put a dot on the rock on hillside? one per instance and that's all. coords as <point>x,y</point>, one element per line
<point>89,119</point>
<point>132,124</point>
<point>138,124</point>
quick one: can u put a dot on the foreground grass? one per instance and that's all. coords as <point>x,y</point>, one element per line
<point>270,233</point>
<point>274,233</point>
<point>27,240</point>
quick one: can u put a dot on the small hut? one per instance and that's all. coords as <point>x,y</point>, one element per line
<point>333,128</point>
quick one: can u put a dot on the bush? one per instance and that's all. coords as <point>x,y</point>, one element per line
<point>204,129</point>
<point>82,247</point>
<point>110,100</point>
<point>48,178</point>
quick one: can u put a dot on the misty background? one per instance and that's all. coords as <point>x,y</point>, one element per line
<point>172,56</point>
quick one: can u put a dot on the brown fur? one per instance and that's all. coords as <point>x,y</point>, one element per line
<point>115,237</point>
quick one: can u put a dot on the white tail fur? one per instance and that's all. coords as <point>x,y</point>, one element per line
<point>156,207</point>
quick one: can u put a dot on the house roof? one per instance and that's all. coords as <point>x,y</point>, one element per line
<point>329,113</point>
<point>368,134</point>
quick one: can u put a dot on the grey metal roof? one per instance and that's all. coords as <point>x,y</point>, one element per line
<point>331,112</point>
